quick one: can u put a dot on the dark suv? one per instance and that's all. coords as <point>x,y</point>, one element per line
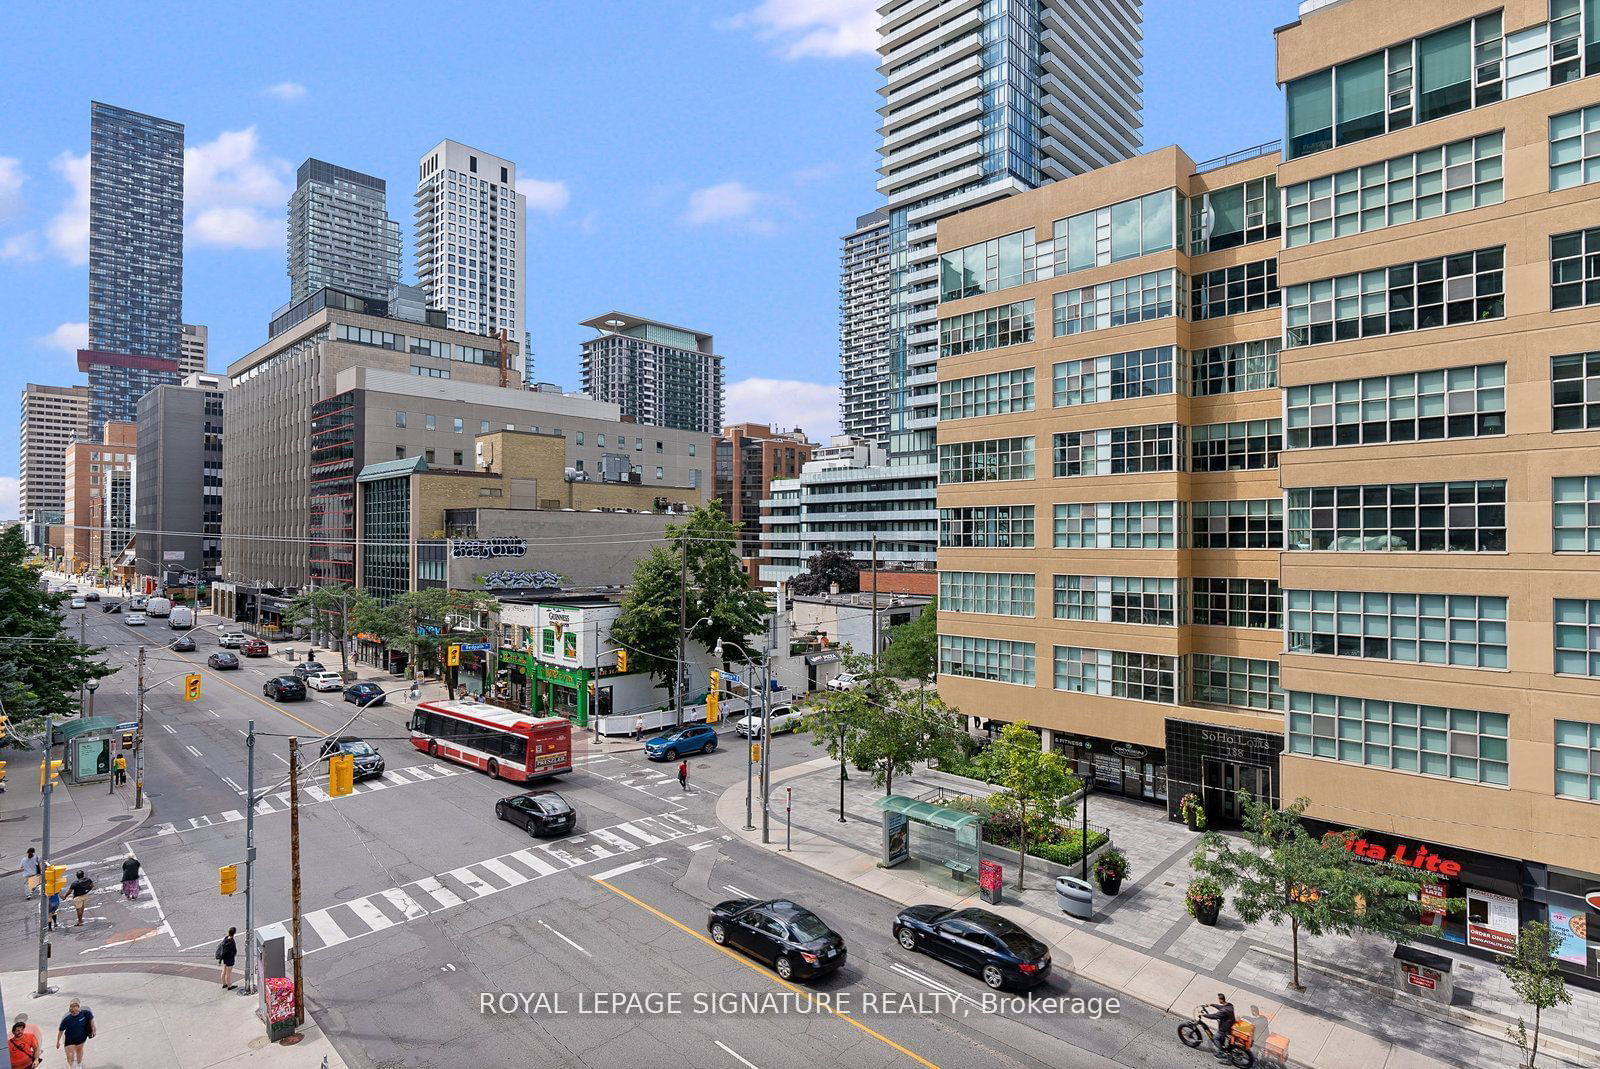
<point>284,689</point>
<point>367,763</point>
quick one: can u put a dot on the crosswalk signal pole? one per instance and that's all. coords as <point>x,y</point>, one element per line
<point>249,985</point>
<point>138,742</point>
<point>45,861</point>
<point>294,874</point>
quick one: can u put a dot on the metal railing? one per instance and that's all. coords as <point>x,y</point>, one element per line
<point>1263,149</point>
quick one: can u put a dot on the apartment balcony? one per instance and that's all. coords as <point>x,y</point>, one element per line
<point>928,272</point>
<point>895,116</point>
<point>966,132</point>
<point>931,167</point>
<point>934,17</point>
<point>1096,111</point>
<point>1117,47</point>
<point>1062,50</point>
<point>938,183</point>
<point>906,92</point>
<point>1000,187</point>
<point>903,136</point>
<point>960,39</point>
<point>928,313</point>
<point>1064,104</point>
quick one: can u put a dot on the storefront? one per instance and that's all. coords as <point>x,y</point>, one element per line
<point>1222,766</point>
<point>563,692</point>
<point>1123,768</point>
<point>471,668</point>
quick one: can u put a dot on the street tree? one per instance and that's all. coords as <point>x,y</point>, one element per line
<point>1282,873</point>
<point>721,604</point>
<point>647,626</point>
<point>43,668</point>
<point>1537,979</point>
<point>1034,783</point>
<point>913,646</point>
<point>896,726</point>
<point>836,715</point>
<point>825,568</point>
<point>332,610</point>
<point>426,616</point>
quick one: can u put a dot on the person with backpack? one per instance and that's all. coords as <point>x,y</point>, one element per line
<point>80,895</point>
<point>130,877</point>
<point>227,952</point>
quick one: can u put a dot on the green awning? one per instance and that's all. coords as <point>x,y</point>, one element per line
<point>93,725</point>
<point>927,813</point>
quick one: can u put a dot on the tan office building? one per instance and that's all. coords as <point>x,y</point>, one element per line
<point>1275,475</point>
<point>99,478</point>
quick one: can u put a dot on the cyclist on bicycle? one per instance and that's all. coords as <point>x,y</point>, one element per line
<point>1222,1013</point>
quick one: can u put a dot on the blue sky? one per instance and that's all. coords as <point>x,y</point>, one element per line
<point>691,160</point>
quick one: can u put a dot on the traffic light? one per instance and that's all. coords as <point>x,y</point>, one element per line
<point>2,774</point>
<point>127,740</point>
<point>55,879</point>
<point>712,697</point>
<point>228,879</point>
<point>341,775</point>
<point>5,725</point>
<point>191,687</point>
<point>452,656</point>
<point>49,774</point>
<point>622,660</point>
<point>755,753</point>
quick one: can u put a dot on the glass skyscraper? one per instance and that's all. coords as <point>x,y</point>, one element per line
<point>340,233</point>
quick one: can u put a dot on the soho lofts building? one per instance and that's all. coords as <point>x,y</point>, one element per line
<point>1220,516</point>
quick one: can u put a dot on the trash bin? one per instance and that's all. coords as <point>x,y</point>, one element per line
<point>1075,897</point>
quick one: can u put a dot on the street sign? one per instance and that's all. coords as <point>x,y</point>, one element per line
<point>474,647</point>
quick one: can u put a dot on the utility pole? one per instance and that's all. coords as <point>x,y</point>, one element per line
<point>138,741</point>
<point>44,987</point>
<point>83,640</point>
<point>294,874</point>
<point>683,623</point>
<point>874,602</point>
<point>766,748</point>
<point>249,985</point>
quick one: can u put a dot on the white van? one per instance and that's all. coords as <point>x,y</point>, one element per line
<point>158,607</point>
<point>182,618</point>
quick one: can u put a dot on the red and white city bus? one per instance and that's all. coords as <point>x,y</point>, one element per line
<point>505,744</point>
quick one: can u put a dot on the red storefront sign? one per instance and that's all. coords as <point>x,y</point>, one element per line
<point>1409,855</point>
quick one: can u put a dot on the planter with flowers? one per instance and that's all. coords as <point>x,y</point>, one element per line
<point>1204,900</point>
<point>1111,869</point>
<point>1193,812</point>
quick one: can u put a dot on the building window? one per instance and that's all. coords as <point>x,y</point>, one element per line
<point>1575,269</point>
<point>1419,185</point>
<point>1154,295</point>
<point>431,422</point>
<point>1219,602</point>
<point>1141,373</point>
<point>1001,393</point>
<point>431,372</point>
<point>483,426</point>
<point>1253,523</point>
<point>1117,525</point>
<point>457,425</point>
<point>428,456</point>
<point>987,527</point>
<point>399,452</point>
<point>1575,145</point>
<point>1429,739</point>
<point>580,438</point>
<point>1578,760</point>
<point>1464,517</point>
<point>1575,391</point>
<point>695,475</point>
<point>1117,450</point>
<point>1242,682</point>
<point>989,328</point>
<point>1122,231</point>
<point>600,440</point>
<point>691,448</point>
<point>1464,287</point>
<point>1141,677</point>
<point>997,460</point>
<point>1463,402</point>
<point>1237,368</point>
<point>1249,445</point>
<point>455,458</point>
<point>993,659</point>
<point>1453,629</point>
<point>1575,514</point>
<point>660,473</point>
<point>1234,216</point>
<point>1117,599</point>
<point>660,446</point>
<point>991,593</point>
<point>399,419</point>
<point>363,336</point>
<point>1234,290</point>
<point>1577,629</point>
<point>997,264</point>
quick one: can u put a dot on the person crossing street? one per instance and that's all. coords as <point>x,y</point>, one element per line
<point>683,775</point>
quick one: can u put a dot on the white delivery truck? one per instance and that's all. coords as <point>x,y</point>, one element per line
<point>158,607</point>
<point>181,619</point>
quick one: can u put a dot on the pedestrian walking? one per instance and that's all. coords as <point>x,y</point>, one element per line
<point>122,771</point>
<point>227,952</point>
<point>638,733</point>
<point>23,1047</point>
<point>683,775</point>
<point>130,877</point>
<point>77,1028</point>
<point>31,869</point>
<point>55,904</point>
<point>31,1031</point>
<point>80,894</point>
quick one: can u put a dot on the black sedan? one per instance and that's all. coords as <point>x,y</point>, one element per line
<point>364,694</point>
<point>541,812</point>
<point>366,763</point>
<point>183,644</point>
<point>975,941</point>
<point>111,606</point>
<point>791,938</point>
<point>93,595</point>
<point>222,660</point>
<point>307,669</point>
<point>284,688</point>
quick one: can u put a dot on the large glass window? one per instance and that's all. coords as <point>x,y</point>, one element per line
<point>997,394</point>
<point>1465,287</point>
<point>1309,115</point>
<point>1143,677</point>
<point>1462,402</point>
<point>1454,629</point>
<point>1461,517</point>
<point>997,660</point>
<point>1117,599</point>
<point>381,339</point>
<point>1359,99</point>
<point>1118,303</point>
<point>1575,144</point>
<point>1429,739</point>
<point>1578,757</point>
<point>1122,231</point>
<point>1575,268</point>
<point>1237,215</point>
<point>1117,525</point>
<point>992,593</point>
<point>1577,637</point>
<point>1118,450</point>
<point>988,266</point>
<point>1444,73</point>
<point>996,460</point>
<point>1575,514</point>
<point>1575,391</point>
<point>1223,602</point>
<point>1419,185</point>
<point>1252,523</point>
<point>988,328</point>
<point>1247,445</point>
<point>1233,290</point>
<point>987,527</point>
<point>1237,368</point>
<point>1140,373</point>
<point>1243,682</point>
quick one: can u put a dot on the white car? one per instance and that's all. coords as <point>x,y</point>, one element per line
<point>133,619</point>
<point>325,681</point>
<point>844,681</point>
<point>79,603</point>
<point>231,640</point>
<point>784,718</point>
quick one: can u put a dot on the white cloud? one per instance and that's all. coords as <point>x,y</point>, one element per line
<point>239,228</point>
<point>68,231</point>
<point>8,498</point>
<point>286,91</point>
<point>234,192</point>
<point>11,179</point>
<point>23,247</point>
<point>550,197</point>
<point>731,202</point>
<point>785,404</point>
<point>827,28</point>
<point>69,337</point>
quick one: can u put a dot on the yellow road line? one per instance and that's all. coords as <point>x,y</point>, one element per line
<point>747,963</point>
<point>274,706</point>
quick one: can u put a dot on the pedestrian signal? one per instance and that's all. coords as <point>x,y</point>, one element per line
<point>341,775</point>
<point>452,656</point>
<point>191,688</point>
<point>127,740</point>
<point>228,879</point>
<point>755,753</point>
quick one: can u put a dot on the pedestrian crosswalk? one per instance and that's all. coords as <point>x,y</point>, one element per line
<point>325,928</point>
<point>310,794</point>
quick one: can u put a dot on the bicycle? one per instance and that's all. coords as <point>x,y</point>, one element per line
<point>1196,1032</point>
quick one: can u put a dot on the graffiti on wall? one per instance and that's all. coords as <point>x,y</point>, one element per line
<point>484,548</point>
<point>506,578</point>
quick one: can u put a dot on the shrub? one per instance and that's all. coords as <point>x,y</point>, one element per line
<point>1112,865</point>
<point>1202,889</point>
<point>1067,851</point>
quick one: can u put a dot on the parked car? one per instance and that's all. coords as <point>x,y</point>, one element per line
<point>791,938</point>
<point>975,941</point>
<point>78,603</point>
<point>844,681</point>
<point>232,640</point>
<point>325,681</point>
<point>364,694</point>
<point>284,689</point>
<point>697,738</point>
<point>222,660</point>
<point>784,718</point>
<point>183,644</point>
<point>93,595</point>
<point>368,762</point>
<point>541,812</point>
<point>254,647</point>
<point>134,619</point>
<point>307,669</point>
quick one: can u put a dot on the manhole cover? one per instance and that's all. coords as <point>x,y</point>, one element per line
<point>126,816</point>
<point>290,1040</point>
<point>349,892</point>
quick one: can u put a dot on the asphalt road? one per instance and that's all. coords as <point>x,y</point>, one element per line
<point>438,936</point>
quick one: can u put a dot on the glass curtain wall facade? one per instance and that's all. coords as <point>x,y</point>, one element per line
<point>340,233</point>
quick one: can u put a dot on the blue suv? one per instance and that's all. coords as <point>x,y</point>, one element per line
<point>701,738</point>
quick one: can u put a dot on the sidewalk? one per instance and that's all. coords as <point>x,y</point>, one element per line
<point>1143,944</point>
<point>81,815</point>
<point>157,1014</point>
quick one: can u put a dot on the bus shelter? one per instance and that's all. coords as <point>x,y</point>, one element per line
<point>934,839</point>
<point>88,746</point>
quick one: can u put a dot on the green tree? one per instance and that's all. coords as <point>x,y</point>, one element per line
<point>647,626</point>
<point>836,715</point>
<point>43,668</point>
<point>892,727</point>
<point>825,568</point>
<point>1034,783</point>
<point>913,646</point>
<point>1535,976</point>
<point>426,616</point>
<point>1285,874</point>
<point>332,610</point>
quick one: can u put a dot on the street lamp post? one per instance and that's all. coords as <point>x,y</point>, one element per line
<point>1083,804</point>
<point>750,736</point>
